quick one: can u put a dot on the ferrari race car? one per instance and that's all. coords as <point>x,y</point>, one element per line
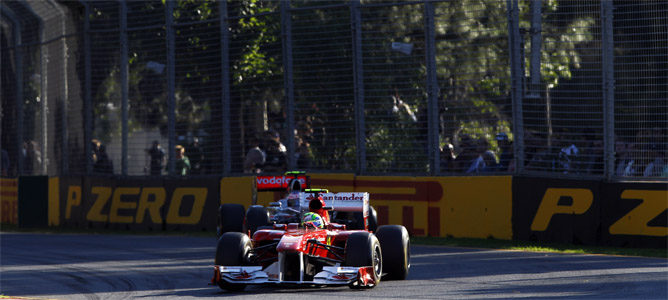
<point>314,251</point>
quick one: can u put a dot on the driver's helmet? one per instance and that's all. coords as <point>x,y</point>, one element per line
<point>313,219</point>
<point>293,199</point>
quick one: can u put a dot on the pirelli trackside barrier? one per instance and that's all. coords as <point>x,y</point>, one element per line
<point>500,207</point>
<point>479,207</point>
<point>134,204</point>
<point>9,201</point>
<point>590,212</point>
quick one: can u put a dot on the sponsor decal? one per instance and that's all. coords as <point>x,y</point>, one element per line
<point>344,197</point>
<point>126,205</point>
<point>561,201</point>
<point>636,221</point>
<point>9,201</point>
<point>277,182</point>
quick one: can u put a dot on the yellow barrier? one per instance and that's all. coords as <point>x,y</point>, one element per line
<point>54,201</point>
<point>9,201</point>
<point>476,207</point>
<point>237,190</point>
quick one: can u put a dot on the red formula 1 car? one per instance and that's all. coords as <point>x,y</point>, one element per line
<point>314,253</point>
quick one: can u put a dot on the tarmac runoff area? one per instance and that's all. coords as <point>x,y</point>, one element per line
<point>77,266</point>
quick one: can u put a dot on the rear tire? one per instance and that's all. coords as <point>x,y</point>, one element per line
<point>230,218</point>
<point>233,249</point>
<point>257,217</point>
<point>395,242</point>
<point>362,250</point>
<point>373,219</point>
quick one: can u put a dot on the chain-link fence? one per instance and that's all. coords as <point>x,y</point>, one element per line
<point>474,87</point>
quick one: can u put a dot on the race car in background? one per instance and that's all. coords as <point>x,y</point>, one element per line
<point>327,253</point>
<point>235,218</point>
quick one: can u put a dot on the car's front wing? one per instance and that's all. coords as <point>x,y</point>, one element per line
<point>336,275</point>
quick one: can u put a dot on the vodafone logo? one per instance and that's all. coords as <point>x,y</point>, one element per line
<point>275,182</point>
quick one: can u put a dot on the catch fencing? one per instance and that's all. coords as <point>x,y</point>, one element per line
<point>441,88</point>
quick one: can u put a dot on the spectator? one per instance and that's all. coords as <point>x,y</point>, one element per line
<point>544,159</point>
<point>196,156</point>
<point>182,163</point>
<point>567,158</point>
<point>255,158</point>
<point>466,154</point>
<point>656,166</point>
<point>276,159</point>
<point>94,149</point>
<point>5,163</point>
<point>448,157</point>
<point>506,154</point>
<point>303,153</point>
<point>624,164</point>
<point>157,158</point>
<point>485,160</point>
<point>305,131</point>
<point>593,159</point>
<point>32,158</point>
<point>103,164</point>
<point>491,162</point>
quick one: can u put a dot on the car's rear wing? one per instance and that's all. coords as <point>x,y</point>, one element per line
<point>288,182</point>
<point>348,202</point>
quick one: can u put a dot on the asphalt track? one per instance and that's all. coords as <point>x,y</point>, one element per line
<point>176,267</point>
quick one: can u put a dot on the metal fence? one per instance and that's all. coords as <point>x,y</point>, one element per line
<point>474,87</point>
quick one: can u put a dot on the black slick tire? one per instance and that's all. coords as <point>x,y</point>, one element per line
<point>395,242</point>
<point>230,218</point>
<point>256,218</point>
<point>362,250</point>
<point>232,250</point>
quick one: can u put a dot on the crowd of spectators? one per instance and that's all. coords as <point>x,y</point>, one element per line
<point>270,155</point>
<point>476,156</point>
<point>642,156</point>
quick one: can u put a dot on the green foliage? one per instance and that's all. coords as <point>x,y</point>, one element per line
<point>472,68</point>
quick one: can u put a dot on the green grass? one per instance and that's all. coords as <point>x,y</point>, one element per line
<point>450,242</point>
<point>539,247</point>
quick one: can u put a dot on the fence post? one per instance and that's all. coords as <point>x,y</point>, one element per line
<point>171,101</point>
<point>432,90</point>
<point>124,86</point>
<point>44,97</point>
<point>286,33</point>
<point>517,74</point>
<point>536,40</point>
<point>87,101</point>
<point>18,59</point>
<point>358,85</point>
<point>225,93</point>
<point>608,70</point>
<point>64,155</point>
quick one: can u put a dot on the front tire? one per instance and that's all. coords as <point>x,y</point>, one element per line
<point>362,250</point>
<point>233,249</point>
<point>395,242</point>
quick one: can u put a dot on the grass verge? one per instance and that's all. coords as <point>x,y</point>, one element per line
<point>538,247</point>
